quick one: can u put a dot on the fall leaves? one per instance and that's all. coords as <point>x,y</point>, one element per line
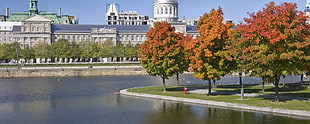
<point>270,43</point>
<point>163,53</point>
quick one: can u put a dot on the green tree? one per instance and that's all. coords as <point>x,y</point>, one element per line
<point>118,51</point>
<point>107,48</point>
<point>159,52</point>
<point>62,48</point>
<point>13,51</point>
<point>85,49</point>
<point>131,51</point>
<point>4,51</point>
<point>95,49</point>
<point>273,42</point>
<point>74,50</point>
<point>27,53</point>
<point>40,50</point>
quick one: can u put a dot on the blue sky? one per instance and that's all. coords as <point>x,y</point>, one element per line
<point>93,11</point>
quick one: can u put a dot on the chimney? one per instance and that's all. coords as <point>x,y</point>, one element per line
<point>7,12</point>
<point>59,12</point>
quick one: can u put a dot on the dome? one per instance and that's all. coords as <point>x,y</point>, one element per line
<point>166,1</point>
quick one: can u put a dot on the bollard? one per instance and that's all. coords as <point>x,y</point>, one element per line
<point>185,90</point>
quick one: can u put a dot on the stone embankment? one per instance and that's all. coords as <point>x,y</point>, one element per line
<point>282,112</point>
<point>71,71</point>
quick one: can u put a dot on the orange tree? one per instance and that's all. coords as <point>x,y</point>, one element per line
<point>206,60</point>
<point>273,42</point>
<point>163,54</point>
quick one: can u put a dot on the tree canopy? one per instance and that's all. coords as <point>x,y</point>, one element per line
<point>273,42</point>
<point>162,53</point>
<point>206,60</point>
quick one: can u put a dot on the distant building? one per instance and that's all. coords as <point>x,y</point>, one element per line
<point>166,10</point>
<point>36,27</point>
<point>115,17</point>
<point>33,10</point>
<point>307,10</point>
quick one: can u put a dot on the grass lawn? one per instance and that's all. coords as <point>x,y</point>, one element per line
<point>289,90</point>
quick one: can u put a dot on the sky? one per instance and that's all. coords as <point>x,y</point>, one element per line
<point>93,11</point>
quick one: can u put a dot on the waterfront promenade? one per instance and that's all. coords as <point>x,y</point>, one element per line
<point>241,107</point>
<point>10,72</point>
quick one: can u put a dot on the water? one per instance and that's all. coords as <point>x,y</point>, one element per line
<point>88,100</point>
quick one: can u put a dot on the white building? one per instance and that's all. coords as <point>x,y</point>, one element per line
<point>115,17</point>
<point>6,31</point>
<point>166,10</point>
<point>121,27</point>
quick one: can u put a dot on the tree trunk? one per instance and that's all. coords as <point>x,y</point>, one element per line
<point>283,83</point>
<point>214,84</point>
<point>263,84</point>
<point>164,85</point>
<point>241,84</point>
<point>209,92</point>
<point>240,79</point>
<point>277,79</point>
<point>178,81</point>
<point>302,78</point>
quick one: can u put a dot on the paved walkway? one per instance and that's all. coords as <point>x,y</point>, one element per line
<point>282,112</point>
<point>205,91</point>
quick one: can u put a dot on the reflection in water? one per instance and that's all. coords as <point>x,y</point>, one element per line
<point>178,113</point>
<point>81,100</point>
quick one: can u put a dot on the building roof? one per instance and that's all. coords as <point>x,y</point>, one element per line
<point>112,9</point>
<point>166,1</point>
<point>36,18</point>
<point>63,28</point>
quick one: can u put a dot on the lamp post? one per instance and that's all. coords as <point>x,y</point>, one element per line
<point>242,87</point>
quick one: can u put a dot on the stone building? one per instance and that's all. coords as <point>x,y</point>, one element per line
<point>38,28</point>
<point>34,10</point>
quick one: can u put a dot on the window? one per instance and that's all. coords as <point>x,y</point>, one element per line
<point>157,11</point>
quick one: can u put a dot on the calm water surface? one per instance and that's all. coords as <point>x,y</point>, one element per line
<point>89,100</point>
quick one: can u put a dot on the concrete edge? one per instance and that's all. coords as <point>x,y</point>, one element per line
<point>298,113</point>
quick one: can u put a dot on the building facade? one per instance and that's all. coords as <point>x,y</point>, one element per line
<point>166,10</point>
<point>115,17</point>
<point>123,27</point>
<point>56,18</point>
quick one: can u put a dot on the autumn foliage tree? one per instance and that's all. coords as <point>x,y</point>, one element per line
<point>206,60</point>
<point>162,54</point>
<point>273,42</point>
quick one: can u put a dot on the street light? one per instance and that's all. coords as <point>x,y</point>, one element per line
<point>242,87</point>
